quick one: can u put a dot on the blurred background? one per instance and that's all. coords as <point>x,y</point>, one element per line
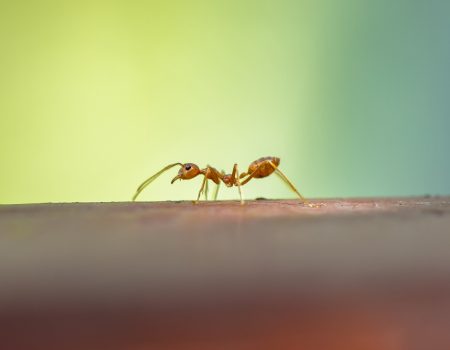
<point>95,96</point>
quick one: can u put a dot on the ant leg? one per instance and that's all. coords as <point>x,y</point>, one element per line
<point>151,179</point>
<point>236,174</point>
<point>216,192</point>
<point>201,189</point>
<point>220,176</point>
<point>235,180</point>
<point>206,190</point>
<point>289,183</point>
<point>249,176</point>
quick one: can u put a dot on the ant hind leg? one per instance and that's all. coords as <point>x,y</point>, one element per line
<point>289,183</point>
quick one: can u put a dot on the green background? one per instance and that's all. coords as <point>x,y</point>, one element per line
<point>95,96</point>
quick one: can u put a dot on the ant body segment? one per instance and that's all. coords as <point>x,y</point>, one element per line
<point>258,169</point>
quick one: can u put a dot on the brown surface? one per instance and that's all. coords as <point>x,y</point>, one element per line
<point>352,274</point>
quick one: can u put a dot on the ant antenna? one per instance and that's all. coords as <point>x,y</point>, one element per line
<point>151,179</point>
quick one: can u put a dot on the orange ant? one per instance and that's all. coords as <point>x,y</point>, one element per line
<point>260,168</point>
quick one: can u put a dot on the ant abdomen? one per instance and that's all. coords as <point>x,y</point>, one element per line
<point>262,167</point>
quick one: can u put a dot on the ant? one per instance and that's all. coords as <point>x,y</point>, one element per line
<point>258,169</point>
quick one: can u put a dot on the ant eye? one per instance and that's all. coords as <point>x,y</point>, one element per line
<point>187,167</point>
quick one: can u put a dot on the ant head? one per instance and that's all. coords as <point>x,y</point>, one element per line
<point>187,171</point>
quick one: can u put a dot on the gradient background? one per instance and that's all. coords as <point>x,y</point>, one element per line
<point>95,96</point>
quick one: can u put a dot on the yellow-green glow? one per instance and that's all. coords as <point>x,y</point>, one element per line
<point>95,96</point>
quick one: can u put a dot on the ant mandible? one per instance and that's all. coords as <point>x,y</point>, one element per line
<point>258,169</point>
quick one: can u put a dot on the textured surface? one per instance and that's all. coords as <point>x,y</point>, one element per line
<point>351,274</point>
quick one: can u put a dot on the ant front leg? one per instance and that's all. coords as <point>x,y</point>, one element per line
<point>201,190</point>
